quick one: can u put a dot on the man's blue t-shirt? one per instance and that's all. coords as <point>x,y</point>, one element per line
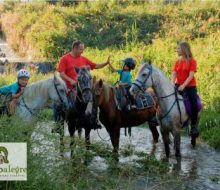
<point>125,77</point>
<point>10,89</point>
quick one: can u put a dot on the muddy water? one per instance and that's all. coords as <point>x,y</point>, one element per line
<point>199,168</point>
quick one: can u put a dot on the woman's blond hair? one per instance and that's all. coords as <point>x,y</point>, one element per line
<point>185,47</point>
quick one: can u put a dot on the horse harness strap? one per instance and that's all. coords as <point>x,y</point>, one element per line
<point>165,115</point>
<point>161,97</point>
<point>141,87</point>
<point>58,93</point>
<point>82,90</point>
<point>25,105</point>
<point>29,109</point>
<point>178,105</point>
<point>115,98</point>
<point>175,101</point>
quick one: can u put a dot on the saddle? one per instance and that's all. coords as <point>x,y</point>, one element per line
<point>123,100</point>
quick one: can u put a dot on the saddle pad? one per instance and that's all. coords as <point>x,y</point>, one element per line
<point>120,97</point>
<point>145,101</point>
<point>123,103</point>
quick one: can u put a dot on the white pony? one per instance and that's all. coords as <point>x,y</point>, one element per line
<point>38,95</point>
<point>172,113</point>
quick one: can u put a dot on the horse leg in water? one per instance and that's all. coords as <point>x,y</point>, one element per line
<point>165,136</point>
<point>87,137</point>
<point>79,130</point>
<point>153,128</point>
<point>177,139</point>
<point>71,128</point>
<point>59,117</point>
<point>61,132</point>
<point>115,135</point>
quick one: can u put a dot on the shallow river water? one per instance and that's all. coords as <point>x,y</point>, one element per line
<point>199,168</point>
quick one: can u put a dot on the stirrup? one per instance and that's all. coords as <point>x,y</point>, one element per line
<point>194,132</point>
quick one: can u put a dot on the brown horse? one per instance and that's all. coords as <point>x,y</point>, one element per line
<point>113,119</point>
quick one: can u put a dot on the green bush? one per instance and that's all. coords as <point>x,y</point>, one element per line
<point>210,127</point>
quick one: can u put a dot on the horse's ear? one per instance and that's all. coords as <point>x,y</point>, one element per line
<point>55,76</point>
<point>88,68</point>
<point>93,82</point>
<point>100,83</point>
<point>76,69</point>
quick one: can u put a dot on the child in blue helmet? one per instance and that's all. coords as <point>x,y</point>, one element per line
<point>10,93</point>
<point>125,76</point>
<point>125,72</point>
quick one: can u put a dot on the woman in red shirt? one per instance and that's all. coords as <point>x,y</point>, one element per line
<point>184,79</point>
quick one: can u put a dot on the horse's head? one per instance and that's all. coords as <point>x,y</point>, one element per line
<point>143,79</point>
<point>84,85</point>
<point>58,92</point>
<point>100,91</point>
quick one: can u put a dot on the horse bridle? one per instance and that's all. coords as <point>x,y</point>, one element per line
<point>82,91</point>
<point>141,84</point>
<point>97,92</point>
<point>143,88</point>
<point>61,100</point>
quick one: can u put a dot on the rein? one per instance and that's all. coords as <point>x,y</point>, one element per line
<point>61,100</point>
<point>29,109</point>
<point>80,99</point>
<point>141,84</point>
<point>81,91</point>
<point>98,92</point>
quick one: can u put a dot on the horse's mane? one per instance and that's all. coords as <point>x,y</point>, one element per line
<point>142,67</point>
<point>106,89</point>
<point>37,87</point>
<point>155,68</point>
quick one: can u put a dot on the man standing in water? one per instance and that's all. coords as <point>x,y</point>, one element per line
<point>67,72</point>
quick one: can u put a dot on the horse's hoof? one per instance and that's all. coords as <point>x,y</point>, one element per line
<point>178,156</point>
<point>193,142</point>
<point>88,147</point>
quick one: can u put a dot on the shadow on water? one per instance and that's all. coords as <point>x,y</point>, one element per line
<point>141,166</point>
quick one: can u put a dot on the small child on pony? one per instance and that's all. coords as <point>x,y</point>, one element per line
<point>9,94</point>
<point>125,79</point>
